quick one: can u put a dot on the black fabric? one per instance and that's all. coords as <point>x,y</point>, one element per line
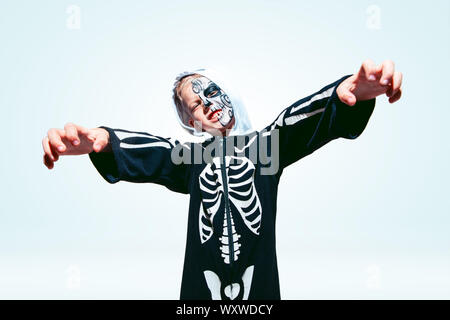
<point>252,272</point>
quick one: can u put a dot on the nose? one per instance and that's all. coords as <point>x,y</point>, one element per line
<point>207,104</point>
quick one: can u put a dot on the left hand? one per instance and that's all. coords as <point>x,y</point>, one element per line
<point>370,82</point>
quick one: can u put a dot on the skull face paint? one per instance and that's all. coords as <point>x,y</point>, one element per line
<point>214,98</point>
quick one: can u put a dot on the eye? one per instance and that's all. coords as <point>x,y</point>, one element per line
<point>194,107</point>
<point>212,91</point>
<point>212,94</point>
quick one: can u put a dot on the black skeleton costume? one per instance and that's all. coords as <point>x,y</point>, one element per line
<point>230,250</point>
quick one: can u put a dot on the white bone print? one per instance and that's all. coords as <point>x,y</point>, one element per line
<point>242,195</point>
<point>225,248</point>
<point>232,290</point>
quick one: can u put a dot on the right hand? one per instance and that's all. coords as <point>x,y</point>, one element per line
<point>73,140</point>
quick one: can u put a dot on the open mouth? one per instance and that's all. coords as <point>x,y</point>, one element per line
<point>215,113</point>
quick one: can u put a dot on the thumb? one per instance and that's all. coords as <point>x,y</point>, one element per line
<point>350,98</point>
<point>96,140</point>
<point>346,96</point>
<point>100,142</point>
<point>91,135</point>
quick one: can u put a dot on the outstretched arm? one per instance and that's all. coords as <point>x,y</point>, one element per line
<point>121,155</point>
<point>339,110</point>
<point>142,157</point>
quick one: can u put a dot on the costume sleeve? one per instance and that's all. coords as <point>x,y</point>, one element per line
<point>313,121</point>
<point>141,157</point>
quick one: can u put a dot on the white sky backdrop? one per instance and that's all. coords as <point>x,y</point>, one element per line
<point>358,219</point>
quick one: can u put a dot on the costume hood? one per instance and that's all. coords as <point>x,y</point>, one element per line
<point>242,123</point>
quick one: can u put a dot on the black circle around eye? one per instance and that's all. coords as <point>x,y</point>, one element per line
<point>212,91</point>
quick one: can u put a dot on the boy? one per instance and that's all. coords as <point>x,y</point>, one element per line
<point>231,179</point>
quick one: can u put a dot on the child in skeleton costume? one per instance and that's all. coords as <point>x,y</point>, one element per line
<point>230,251</point>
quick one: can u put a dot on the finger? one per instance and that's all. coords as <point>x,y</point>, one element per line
<point>52,154</point>
<point>48,162</point>
<point>72,133</point>
<point>396,82</point>
<point>54,136</point>
<point>91,134</point>
<point>349,98</point>
<point>396,96</point>
<point>100,142</point>
<point>368,70</point>
<point>379,68</point>
<point>86,132</point>
<point>388,72</point>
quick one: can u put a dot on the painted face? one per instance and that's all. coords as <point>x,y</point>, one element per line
<point>214,98</point>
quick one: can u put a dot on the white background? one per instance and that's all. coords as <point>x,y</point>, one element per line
<point>358,219</point>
